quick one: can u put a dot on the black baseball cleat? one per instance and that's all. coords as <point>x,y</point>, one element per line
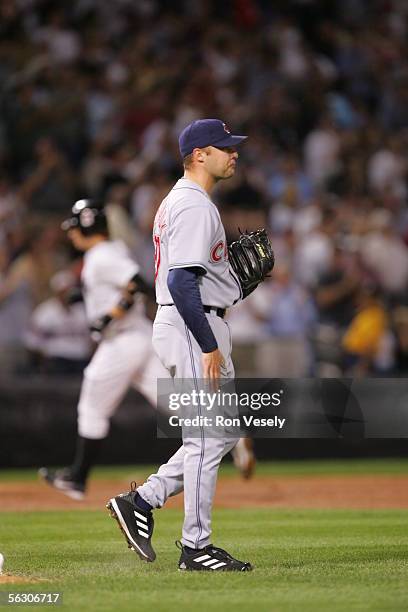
<point>135,524</point>
<point>63,481</point>
<point>210,558</point>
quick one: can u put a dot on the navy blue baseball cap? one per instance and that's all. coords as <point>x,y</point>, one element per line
<point>207,132</point>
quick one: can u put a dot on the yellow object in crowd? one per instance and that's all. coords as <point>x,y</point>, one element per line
<point>365,331</point>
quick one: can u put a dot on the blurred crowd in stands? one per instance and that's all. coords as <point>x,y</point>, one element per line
<point>93,96</point>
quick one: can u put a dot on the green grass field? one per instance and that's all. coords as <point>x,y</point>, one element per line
<point>304,560</point>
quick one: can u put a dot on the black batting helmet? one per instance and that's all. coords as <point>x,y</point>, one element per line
<point>88,216</point>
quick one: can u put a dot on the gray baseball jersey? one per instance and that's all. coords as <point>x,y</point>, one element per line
<point>188,232</point>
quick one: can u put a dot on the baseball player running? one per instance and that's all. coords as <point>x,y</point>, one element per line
<point>124,357</point>
<point>194,286</point>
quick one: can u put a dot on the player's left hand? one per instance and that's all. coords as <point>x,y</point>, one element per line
<point>212,364</point>
<point>96,328</point>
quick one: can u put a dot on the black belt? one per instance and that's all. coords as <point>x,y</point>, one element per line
<point>220,312</point>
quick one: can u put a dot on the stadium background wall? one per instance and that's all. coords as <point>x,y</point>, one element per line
<point>38,425</point>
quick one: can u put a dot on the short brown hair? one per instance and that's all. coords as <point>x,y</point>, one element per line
<point>187,161</point>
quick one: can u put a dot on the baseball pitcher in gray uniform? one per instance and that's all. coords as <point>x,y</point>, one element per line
<point>194,286</point>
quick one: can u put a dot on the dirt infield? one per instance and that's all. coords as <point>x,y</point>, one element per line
<point>354,492</point>
<point>10,579</point>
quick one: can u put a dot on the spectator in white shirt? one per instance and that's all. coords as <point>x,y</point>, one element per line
<point>58,334</point>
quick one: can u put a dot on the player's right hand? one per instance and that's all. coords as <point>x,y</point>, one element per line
<point>212,364</point>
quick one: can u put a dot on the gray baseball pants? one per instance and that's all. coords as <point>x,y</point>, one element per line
<point>194,467</point>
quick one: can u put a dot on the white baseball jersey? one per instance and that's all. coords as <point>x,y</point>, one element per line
<point>108,267</point>
<point>188,232</point>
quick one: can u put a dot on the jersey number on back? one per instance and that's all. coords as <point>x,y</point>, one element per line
<point>156,240</point>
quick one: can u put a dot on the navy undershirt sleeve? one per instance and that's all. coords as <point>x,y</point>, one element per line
<point>183,287</point>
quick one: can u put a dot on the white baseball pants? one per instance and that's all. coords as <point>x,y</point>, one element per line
<point>124,360</point>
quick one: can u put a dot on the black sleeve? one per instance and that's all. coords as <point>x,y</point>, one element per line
<point>138,284</point>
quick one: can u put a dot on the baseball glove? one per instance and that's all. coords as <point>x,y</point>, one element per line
<point>251,257</point>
